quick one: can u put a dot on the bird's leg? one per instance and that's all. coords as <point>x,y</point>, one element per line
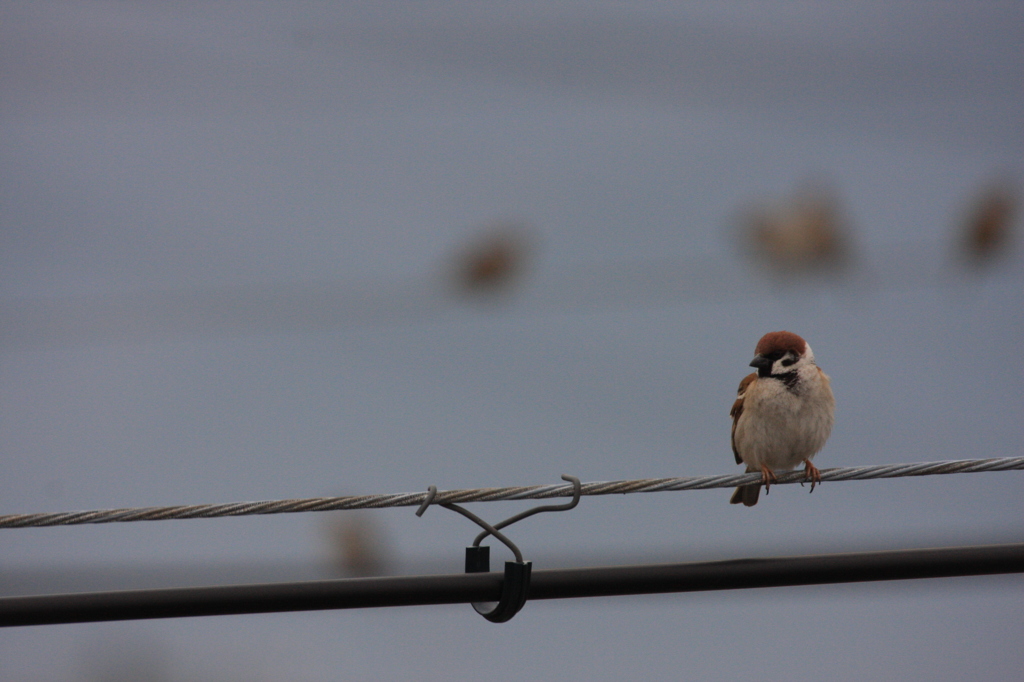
<point>811,473</point>
<point>767,477</point>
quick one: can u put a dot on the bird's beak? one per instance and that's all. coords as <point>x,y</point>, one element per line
<point>760,361</point>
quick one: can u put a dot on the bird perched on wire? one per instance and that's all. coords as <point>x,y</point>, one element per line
<point>783,413</point>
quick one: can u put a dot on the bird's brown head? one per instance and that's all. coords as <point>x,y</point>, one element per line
<point>780,343</point>
<point>778,352</point>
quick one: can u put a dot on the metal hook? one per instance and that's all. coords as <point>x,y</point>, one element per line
<point>428,500</point>
<point>577,490</point>
<point>488,528</point>
<point>516,585</point>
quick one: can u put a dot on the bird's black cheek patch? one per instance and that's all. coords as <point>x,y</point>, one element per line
<point>789,379</point>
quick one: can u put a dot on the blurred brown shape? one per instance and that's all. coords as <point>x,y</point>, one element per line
<point>804,235</point>
<point>495,259</point>
<point>357,545</point>
<point>987,229</point>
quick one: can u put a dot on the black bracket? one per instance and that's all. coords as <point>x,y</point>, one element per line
<point>515,588</point>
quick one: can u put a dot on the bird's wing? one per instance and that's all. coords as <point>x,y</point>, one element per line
<point>737,410</point>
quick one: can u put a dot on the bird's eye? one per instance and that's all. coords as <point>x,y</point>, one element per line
<point>789,361</point>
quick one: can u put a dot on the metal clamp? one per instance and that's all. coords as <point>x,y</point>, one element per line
<point>515,588</point>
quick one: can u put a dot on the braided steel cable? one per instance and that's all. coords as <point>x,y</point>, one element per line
<point>532,492</point>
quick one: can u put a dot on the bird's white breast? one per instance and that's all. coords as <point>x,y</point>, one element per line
<point>781,428</point>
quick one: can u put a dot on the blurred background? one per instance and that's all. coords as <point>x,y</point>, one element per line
<point>268,250</point>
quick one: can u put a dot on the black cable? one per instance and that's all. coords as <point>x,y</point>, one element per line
<point>480,587</point>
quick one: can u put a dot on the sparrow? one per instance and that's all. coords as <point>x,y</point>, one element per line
<point>783,413</point>
<point>805,235</point>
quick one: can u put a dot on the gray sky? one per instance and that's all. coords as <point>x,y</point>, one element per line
<point>227,231</point>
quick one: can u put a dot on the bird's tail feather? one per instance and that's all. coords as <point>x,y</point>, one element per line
<point>747,494</point>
